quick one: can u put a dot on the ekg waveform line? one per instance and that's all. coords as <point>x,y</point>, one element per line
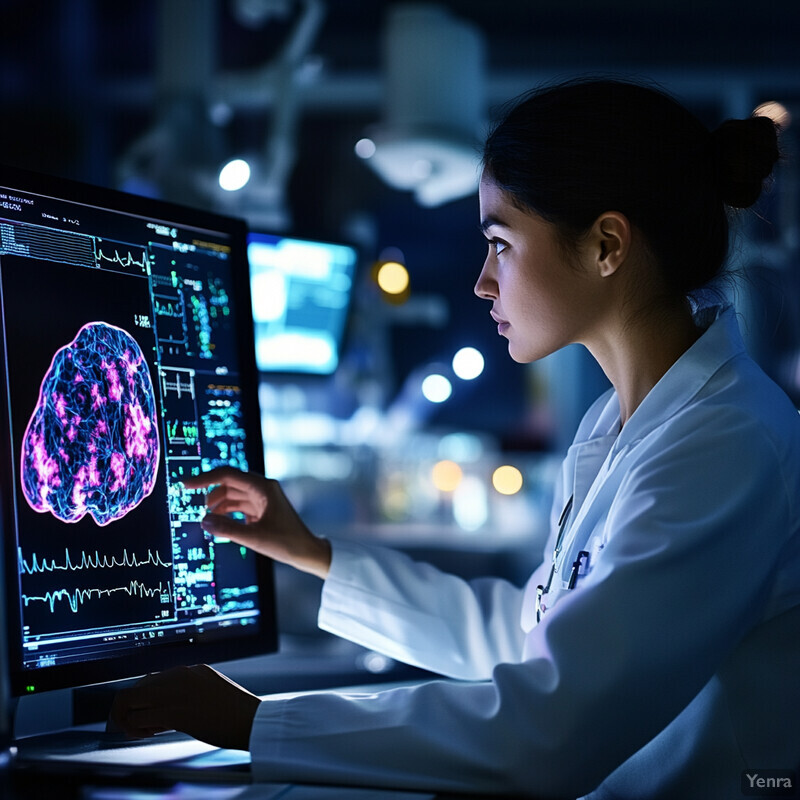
<point>124,261</point>
<point>88,561</point>
<point>78,597</point>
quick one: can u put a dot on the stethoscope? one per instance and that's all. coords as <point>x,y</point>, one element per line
<point>542,590</point>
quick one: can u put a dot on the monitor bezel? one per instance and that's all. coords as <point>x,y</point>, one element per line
<point>254,640</point>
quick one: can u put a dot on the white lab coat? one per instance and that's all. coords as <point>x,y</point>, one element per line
<point>671,666</point>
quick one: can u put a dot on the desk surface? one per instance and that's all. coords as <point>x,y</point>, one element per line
<point>15,785</point>
<point>152,778</point>
<point>88,787</point>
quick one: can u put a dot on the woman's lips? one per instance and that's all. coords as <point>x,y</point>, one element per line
<point>502,325</point>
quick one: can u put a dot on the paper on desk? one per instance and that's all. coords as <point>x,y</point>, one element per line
<point>154,753</point>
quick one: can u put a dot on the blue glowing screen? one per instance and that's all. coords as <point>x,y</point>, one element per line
<point>301,290</point>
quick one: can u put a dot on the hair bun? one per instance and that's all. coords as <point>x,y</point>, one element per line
<point>744,151</point>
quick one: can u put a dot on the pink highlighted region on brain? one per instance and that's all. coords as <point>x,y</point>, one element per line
<point>91,445</point>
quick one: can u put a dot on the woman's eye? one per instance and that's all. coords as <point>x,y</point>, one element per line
<point>498,246</point>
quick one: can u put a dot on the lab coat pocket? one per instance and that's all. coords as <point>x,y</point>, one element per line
<point>594,549</point>
<point>576,566</point>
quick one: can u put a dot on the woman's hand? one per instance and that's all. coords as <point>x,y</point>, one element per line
<point>195,700</point>
<point>271,526</point>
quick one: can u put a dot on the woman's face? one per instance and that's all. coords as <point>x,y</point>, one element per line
<point>541,301</point>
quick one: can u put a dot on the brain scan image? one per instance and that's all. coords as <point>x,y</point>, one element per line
<point>91,446</point>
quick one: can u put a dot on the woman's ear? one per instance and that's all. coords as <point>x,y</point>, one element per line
<point>610,240</point>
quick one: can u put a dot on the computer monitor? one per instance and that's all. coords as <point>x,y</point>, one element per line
<point>301,296</point>
<point>126,364</point>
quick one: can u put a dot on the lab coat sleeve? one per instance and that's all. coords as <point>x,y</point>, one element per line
<point>412,612</point>
<point>683,577</point>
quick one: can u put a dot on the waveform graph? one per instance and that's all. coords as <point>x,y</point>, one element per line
<point>75,589</point>
<point>72,607</point>
<point>178,384</point>
<point>181,428</point>
<point>169,310</point>
<point>40,565</point>
<point>91,446</point>
<point>121,257</point>
<point>75,598</point>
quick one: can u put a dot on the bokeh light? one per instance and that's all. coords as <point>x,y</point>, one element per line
<point>468,363</point>
<point>436,388</point>
<point>365,148</point>
<point>234,175</point>
<point>507,479</point>
<point>393,277</point>
<point>446,475</point>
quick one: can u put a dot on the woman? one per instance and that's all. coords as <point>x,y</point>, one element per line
<point>655,652</point>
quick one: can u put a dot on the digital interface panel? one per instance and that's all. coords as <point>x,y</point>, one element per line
<point>122,373</point>
<point>301,292</point>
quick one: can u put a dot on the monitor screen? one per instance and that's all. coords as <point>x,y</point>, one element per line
<point>126,363</point>
<point>301,295</point>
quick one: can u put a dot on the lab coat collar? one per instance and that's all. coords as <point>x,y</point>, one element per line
<point>591,459</point>
<point>597,446</point>
<point>721,342</point>
<point>582,465</point>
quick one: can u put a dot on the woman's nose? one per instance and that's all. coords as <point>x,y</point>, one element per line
<point>486,286</point>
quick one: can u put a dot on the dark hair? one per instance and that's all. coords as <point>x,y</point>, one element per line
<point>573,151</point>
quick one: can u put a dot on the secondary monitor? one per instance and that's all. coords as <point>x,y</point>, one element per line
<point>301,296</point>
<point>126,364</point>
